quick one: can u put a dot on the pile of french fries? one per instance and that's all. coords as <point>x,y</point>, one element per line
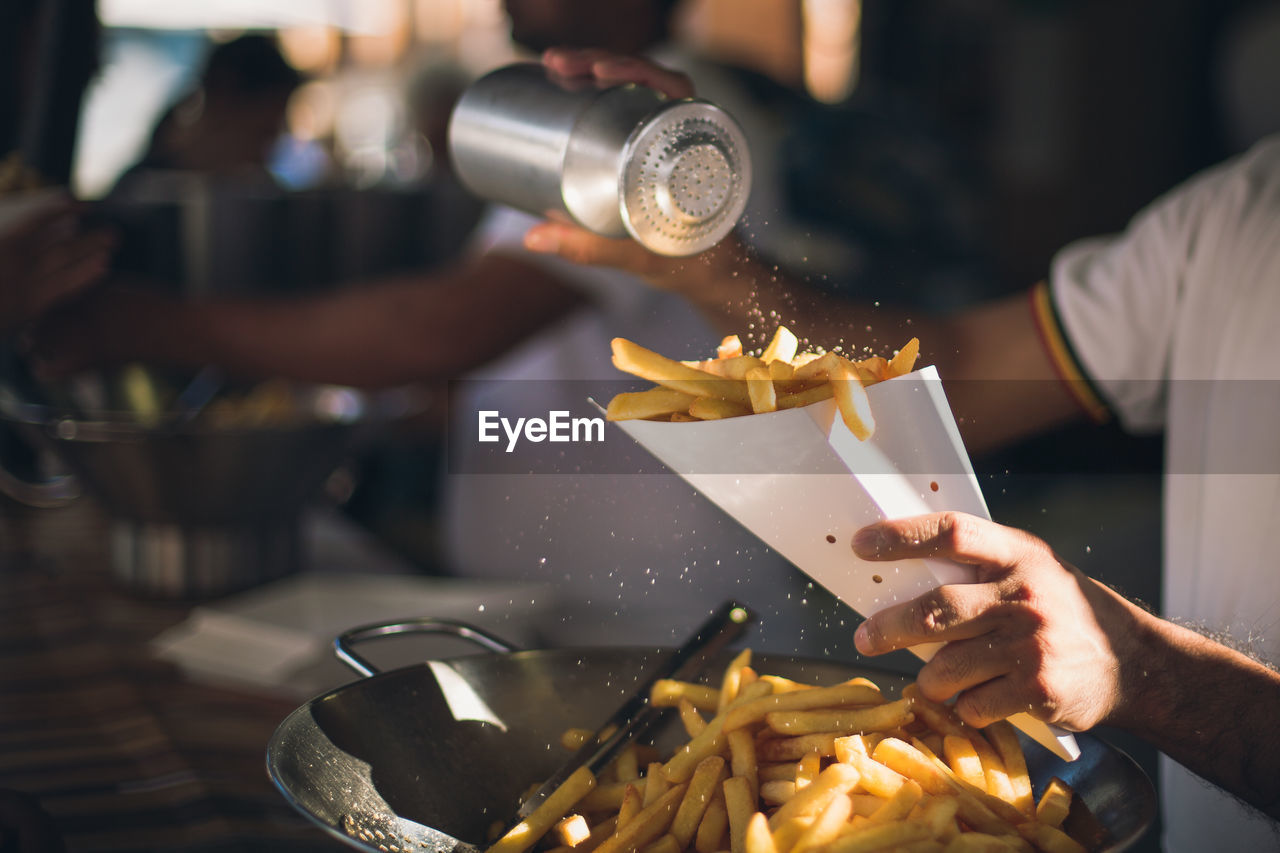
<point>776,766</point>
<point>734,384</point>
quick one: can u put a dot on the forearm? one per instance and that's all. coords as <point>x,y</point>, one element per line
<point>374,335</point>
<point>1208,707</point>
<point>998,377</point>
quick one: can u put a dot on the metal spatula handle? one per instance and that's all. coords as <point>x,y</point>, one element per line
<point>636,716</point>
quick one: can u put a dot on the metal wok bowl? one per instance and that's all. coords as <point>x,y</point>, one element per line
<point>427,757</point>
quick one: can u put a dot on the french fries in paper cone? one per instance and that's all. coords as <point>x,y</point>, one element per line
<point>785,476</point>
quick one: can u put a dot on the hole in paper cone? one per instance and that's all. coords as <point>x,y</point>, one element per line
<point>877,579</point>
<point>831,539</point>
<point>934,485</point>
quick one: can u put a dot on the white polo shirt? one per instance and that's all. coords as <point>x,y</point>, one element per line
<point>1176,324</point>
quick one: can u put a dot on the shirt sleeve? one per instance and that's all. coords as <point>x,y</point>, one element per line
<point>1114,304</point>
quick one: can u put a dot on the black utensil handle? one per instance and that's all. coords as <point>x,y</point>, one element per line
<point>636,716</point>
<point>344,644</point>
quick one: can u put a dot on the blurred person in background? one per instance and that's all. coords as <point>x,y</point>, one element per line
<point>227,125</point>
<point>1168,326</point>
<point>645,551</point>
<point>46,254</point>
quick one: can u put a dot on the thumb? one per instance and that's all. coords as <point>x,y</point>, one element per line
<point>583,247</point>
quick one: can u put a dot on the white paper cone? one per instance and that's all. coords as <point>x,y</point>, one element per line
<point>785,476</point>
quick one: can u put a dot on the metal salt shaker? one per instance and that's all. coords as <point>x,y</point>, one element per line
<point>616,160</point>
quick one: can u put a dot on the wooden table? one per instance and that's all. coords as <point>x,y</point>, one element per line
<point>117,748</point>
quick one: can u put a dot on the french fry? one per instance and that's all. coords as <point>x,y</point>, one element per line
<point>964,760</point>
<point>655,783</point>
<point>1004,738</point>
<point>900,804</point>
<point>632,358</point>
<point>786,834</point>
<point>865,805</point>
<point>626,766</point>
<point>733,368</point>
<point>730,347</point>
<point>884,717</point>
<point>851,400</point>
<point>665,844</point>
<point>874,777</point>
<point>742,758</point>
<point>599,833</point>
<point>714,825</point>
<point>764,397</point>
<point>747,782</point>
<point>667,693</point>
<point>872,370</point>
<point>689,717</point>
<point>785,771</point>
<point>706,778</point>
<point>801,700</point>
<point>732,680</point>
<point>572,830</point>
<point>605,797</point>
<point>527,832</point>
<point>758,838</point>
<point>807,768</point>
<point>648,825</point>
<point>714,409</point>
<point>836,779</point>
<point>979,842</point>
<point>800,399</point>
<point>828,825</point>
<point>783,346</point>
<point>1054,803</point>
<point>781,371</point>
<point>905,359</point>
<point>575,738</point>
<point>777,791</point>
<point>632,405</point>
<point>784,685</point>
<point>879,836</point>
<point>795,748</point>
<point>939,814</point>
<point>1049,839</point>
<point>632,805</point>
<point>819,368</point>
<point>740,806</point>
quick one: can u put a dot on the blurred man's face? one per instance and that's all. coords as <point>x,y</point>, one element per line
<point>540,24</point>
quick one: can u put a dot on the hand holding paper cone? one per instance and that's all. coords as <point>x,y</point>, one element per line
<point>807,476</point>
<point>1027,636</point>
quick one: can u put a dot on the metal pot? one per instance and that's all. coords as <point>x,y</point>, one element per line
<point>616,160</point>
<point>430,755</point>
<point>195,510</point>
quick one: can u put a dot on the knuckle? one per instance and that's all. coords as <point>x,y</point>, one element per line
<point>935,612</point>
<point>977,708</point>
<point>955,531</point>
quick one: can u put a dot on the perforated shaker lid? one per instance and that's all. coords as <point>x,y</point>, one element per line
<point>685,178</point>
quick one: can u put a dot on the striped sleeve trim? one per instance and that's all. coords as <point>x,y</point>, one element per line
<point>1063,357</point>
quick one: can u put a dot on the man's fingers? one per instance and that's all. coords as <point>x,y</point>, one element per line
<point>954,535</point>
<point>995,700</point>
<point>583,247</point>
<point>953,612</point>
<point>965,664</point>
<point>612,68</point>
<point>573,61</point>
<point>629,69</point>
